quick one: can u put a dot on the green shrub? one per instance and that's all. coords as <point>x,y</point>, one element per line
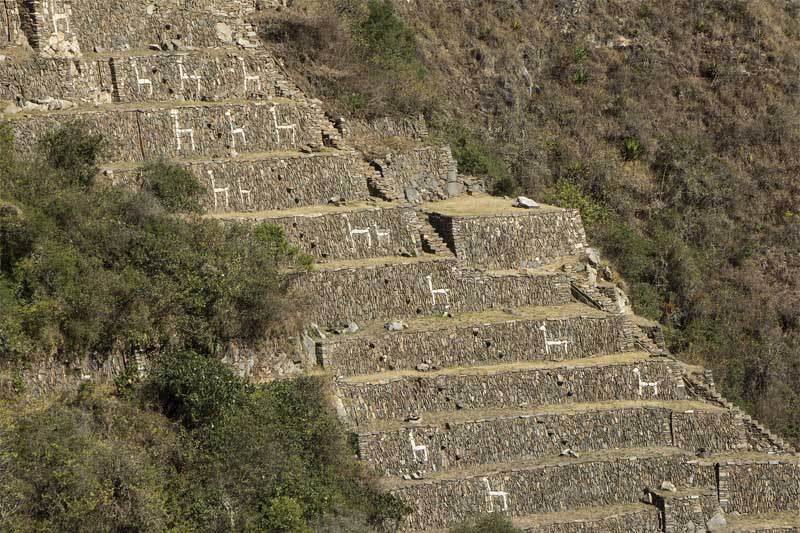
<point>284,515</point>
<point>493,523</point>
<point>386,39</point>
<point>580,76</point>
<point>74,152</point>
<point>632,149</point>
<point>176,188</point>
<point>567,194</point>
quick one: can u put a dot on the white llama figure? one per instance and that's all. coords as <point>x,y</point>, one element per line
<point>187,77</point>
<point>141,82</point>
<point>553,343</point>
<point>438,292</point>
<point>492,494</point>
<point>287,127</point>
<point>59,16</point>
<point>645,384</point>
<point>243,193</point>
<point>417,449</point>
<point>352,232</point>
<point>249,78</point>
<point>235,131</point>
<point>382,234</point>
<point>219,190</point>
<point>181,131</point>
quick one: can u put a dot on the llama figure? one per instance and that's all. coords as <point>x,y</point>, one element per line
<point>645,384</point>
<point>492,494</point>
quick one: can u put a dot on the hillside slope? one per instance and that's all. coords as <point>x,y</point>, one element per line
<point>672,126</point>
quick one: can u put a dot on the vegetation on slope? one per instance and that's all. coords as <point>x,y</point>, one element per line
<point>671,125</point>
<point>87,269</point>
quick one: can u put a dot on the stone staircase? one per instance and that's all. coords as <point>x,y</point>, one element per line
<point>474,355</point>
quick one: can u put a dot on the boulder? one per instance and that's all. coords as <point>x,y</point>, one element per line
<point>413,195</point>
<point>667,485</point>
<point>395,325</point>
<point>526,203</point>
<point>224,32</point>
<point>716,522</point>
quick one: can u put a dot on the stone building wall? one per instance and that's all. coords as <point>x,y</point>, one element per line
<point>778,485</point>
<point>513,241</point>
<point>404,289</point>
<point>399,397</point>
<point>11,33</point>
<point>546,489</point>
<point>423,174</point>
<point>328,237</point>
<point>471,344</point>
<point>499,439</point>
<point>641,521</point>
<point>185,131</point>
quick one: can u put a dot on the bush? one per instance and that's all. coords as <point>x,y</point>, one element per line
<point>493,523</point>
<point>74,152</point>
<point>569,195</point>
<point>176,188</point>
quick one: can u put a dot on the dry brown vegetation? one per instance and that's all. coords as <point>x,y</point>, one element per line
<point>672,125</point>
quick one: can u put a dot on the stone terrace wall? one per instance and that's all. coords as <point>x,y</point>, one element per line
<point>640,521</point>
<point>76,80</point>
<point>402,290</point>
<point>682,512</point>
<point>692,430</point>
<point>532,436</point>
<point>464,345</point>
<point>10,24</point>
<point>778,485</point>
<point>513,241</point>
<point>273,183</point>
<point>410,127</point>
<point>149,133</point>
<point>221,76</point>
<point>327,237</point>
<point>546,489</point>
<point>397,398</point>
<point>423,174</point>
<point>123,24</point>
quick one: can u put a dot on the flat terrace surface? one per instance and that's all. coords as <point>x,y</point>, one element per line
<point>584,514</point>
<point>310,210</point>
<point>516,466</point>
<point>490,316</point>
<point>483,205</point>
<point>549,268</point>
<point>440,418</point>
<point>787,519</point>
<point>247,157</point>
<point>621,359</point>
<point>18,53</point>
<point>152,106</point>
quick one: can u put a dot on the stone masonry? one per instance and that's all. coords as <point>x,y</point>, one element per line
<point>472,352</point>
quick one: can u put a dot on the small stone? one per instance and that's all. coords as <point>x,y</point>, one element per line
<point>413,195</point>
<point>510,311</point>
<point>413,418</point>
<point>717,522</point>
<point>593,257</point>
<point>607,274</point>
<point>99,49</point>
<point>336,200</point>
<point>417,475</point>
<point>569,453</point>
<point>224,32</point>
<point>407,477</point>
<point>459,404</point>
<point>395,325</point>
<point>667,485</point>
<point>525,203</point>
<point>150,9</point>
<point>244,43</point>
<point>423,367</point>
<point>351,327</point>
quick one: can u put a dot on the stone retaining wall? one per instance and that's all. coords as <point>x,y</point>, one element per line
<point>423,174</point>
<point>777,483</point>
<point>78,81</point>
<point>400,397</point>
<point>403,289</point>
<point>470,344</point>
<point>512,241</point>
<point>11,33</point>
<point>639,521</point>
<point>693,430</point>
<point>389,231</point>
<point>409,127</point>
<point>546,489</point>
<point>683,512</point>
<point>501,439</point>
<point>185,131</point>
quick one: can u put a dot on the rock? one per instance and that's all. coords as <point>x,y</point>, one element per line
<point>150,9</point>
<point>510,311</point>
<point>459,404</point>
<point>407,477</point>
<point>413,418</point>
<point>580,267</point>
<point>607,274</point>
<point>705,453</point>
<point>336,200</point>
<point>569,453</point>
<point>413,195</point>
<point>593,257</point>
<point>591,274</point>
<point>244,43</point>
<point>224,32</point>
<point>155,47</point>
<point>667,485</point>
<point>454,188</point>
<point>395,325</point>
<point>351,327</point>
<point>717,522</point>
<point>99,49</point>
<point>417,475</point>
<point>423,367</point>
<point>525,203</point>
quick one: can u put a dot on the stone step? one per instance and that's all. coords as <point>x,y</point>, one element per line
<point>633,517</point>
<point>490,231</point>
<point>400,395</point>
<point>351,231</point>
<point>467,438</point>
<point>137,132</point>
<point>71,26</point>
<point>146,76</point>
<point>273,180</point>
<point>395,287</point>
<point>610,477</point>
<point>432,242</point>
<point>554,333</point>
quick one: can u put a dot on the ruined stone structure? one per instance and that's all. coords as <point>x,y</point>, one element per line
<point>475,355</point>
